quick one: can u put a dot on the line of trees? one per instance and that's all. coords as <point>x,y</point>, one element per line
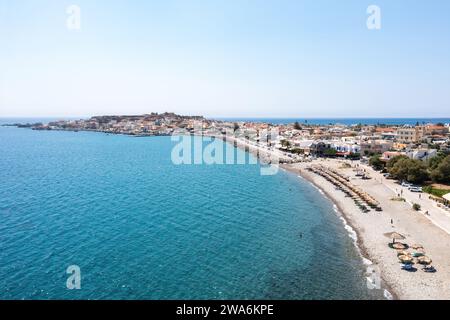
<point>403,168</point>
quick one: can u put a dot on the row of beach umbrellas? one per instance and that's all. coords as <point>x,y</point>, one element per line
<point>405,256</point>
<point>344,183</point>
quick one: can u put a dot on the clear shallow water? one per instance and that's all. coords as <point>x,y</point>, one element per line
<point>140,227</point>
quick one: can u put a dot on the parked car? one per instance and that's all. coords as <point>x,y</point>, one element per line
<point>415,189</point>
<point>406,184</point>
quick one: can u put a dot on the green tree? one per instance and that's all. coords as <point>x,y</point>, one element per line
<point>297,126</point>
<point>329,152</point>
<point>376,162</point>
<point>417,172</point>
<point>403,168</point>
<point>285,143</point>
<point>442,172</point>
<point>391,163</point>
<point>434,162</point>
<point>297,151</point>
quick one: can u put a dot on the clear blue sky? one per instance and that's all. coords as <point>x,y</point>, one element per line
<point>261,58</point>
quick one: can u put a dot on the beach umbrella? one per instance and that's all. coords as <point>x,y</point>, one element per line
<point>394,236</point>
<point>399,246</point>
<point>419,253</point>
<point>406,259</point>
<point>424,260</point>
<point>402,253</point>
<point>417,246</point>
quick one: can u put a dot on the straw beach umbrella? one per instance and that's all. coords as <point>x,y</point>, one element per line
<point>399,246</point>
<point>424,260</point>
<point>417,246</point>
<point>394,236</point>
<point>405,259</point>
<point>402,253</point>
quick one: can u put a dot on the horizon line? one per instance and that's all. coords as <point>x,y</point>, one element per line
<point>232,117</point>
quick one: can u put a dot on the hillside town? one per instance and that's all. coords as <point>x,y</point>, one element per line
<point>421,147</point>
<point>422,141</point>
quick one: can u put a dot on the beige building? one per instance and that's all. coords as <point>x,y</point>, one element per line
<point>410,134</point>
<point>375,146</point>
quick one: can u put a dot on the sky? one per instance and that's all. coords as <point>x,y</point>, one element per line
<point>230,58</point>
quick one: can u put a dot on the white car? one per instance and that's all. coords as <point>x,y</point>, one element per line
<point>407,185</point>
<point>415,189</point>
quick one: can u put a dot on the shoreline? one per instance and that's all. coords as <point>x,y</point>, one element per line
<point>370,242</point>
<point>371,226</point>
<point>389,291</point>
<point>366,258</point>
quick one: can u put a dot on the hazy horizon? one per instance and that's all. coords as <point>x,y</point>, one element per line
<point>271,59</point>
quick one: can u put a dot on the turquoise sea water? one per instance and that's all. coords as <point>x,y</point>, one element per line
<point>140,227</point>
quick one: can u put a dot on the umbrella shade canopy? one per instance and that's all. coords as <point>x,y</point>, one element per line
<point>402,253</point>
<point>395,235</point>
<point>419,253</point>
<point>405,259</point>
<point>424,260</point>
<point>417,246</point>
<point>399,246</point>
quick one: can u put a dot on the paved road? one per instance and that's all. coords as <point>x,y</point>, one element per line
<point>438,216</point>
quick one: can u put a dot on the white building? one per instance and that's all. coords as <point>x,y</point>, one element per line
<point>346,147</point>
<point>421,154</point>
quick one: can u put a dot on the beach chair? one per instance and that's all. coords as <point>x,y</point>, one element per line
<point>407,267</point>
<point>429,269</point>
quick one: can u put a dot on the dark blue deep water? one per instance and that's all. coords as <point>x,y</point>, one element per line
<point>140,227</point>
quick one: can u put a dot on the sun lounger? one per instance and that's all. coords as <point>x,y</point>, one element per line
<point>407,267</point>
<point>429,269</point>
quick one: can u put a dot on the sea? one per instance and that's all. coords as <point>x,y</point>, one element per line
<point>136,225</point>
<point>344,121</point>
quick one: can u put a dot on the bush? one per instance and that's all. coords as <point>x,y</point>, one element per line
<point>354,156</point>
<point>297,151</point>
<point>329,152</point>
<point>416,207</point>
<point>434,191</point>
<point>398,199</point>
